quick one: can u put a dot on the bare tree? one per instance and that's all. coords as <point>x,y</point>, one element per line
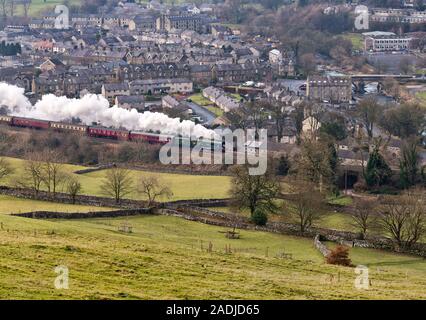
<point>5,168</point>
<point>363,216</point>
<point>73,188</point>
<point>254,191</point>
<point>307,204</point>
<point>403,218</point>
<point>26,5</point>
<point>406,65</point>
<point>318,162</point>
<point>278,114</point>
<point>53,174</point>
<point>153,189</point>
<point>312,115</point>
<point>370,112</point>
<point>392,87</point>
<point>11,8</point>
<point>117,183</point>
<point>237,118</point>
<point>255,114</point>
<point>3,7</point>
<point>32,176</point>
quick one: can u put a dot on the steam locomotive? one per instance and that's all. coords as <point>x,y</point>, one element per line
<point>108,133</point>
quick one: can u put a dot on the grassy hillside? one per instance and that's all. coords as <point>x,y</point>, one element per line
<point>166,257</point>
<point>37,7</point>
<point>163,258</point>
<point>356,39</point>
<point>332,220</point>
<point>183,186</point>
<point>15,205</point>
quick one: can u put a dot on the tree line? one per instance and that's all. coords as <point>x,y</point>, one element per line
<point>45,172</point>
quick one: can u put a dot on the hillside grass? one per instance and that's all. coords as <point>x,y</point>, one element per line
<point>9,204</point>
<point>329,220</point>
<point>163,259</point>
<point>183,186</point>
<point>356,40</point>
<point>38,7</point>
<point>421,97</point>
<point>384,261</point>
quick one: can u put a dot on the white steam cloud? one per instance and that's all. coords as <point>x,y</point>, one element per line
<point>95,108</point>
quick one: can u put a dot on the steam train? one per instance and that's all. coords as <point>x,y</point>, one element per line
<point>108,133</point>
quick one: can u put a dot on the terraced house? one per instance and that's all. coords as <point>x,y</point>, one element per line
<point>410,16</point>
<point>231,73</point>
<point>153,71</point>
<point>329,89</point>
<point>179,22</point>
<point>379,43</point>
<point>160,86</point>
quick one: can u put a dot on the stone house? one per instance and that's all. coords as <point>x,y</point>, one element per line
<point>169,102</point>
<point>131,102</point>
<point>161,86</point>
<point>201,74</point>
<point>329,89</point>
<point>153,71</point>
<point>111,90</point>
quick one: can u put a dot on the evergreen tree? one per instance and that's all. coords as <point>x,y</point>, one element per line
<point>377,172</point>
<point>283,166</point>
<point>408,165</point>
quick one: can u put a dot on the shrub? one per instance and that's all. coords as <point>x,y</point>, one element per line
<point>259,218</point>
<point>360,186</point>
<point>386,190</point>
<point>283,166</point>
<point>339,256</point>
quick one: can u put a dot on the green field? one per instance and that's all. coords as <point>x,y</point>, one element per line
<point>356,39</point>
<point>421,96</point>
<point>37,7</point>
<point>10,204</point>
<point>330,220</point>
<point>183,186</point>
<point>166,257</point>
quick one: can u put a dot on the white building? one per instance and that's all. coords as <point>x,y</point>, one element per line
<point>378,43</point>
<point>275,56</point>
<point>161,86</point>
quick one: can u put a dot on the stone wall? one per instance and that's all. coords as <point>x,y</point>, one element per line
<point>200,203</point>
<point>82,215</point>
<point>212,170</point>
<point>94,169</point>
<point>65,198</point>
<point>320,246</point>
<point>106,202</point>
<point>195,210</point>
<point>343,237</point>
